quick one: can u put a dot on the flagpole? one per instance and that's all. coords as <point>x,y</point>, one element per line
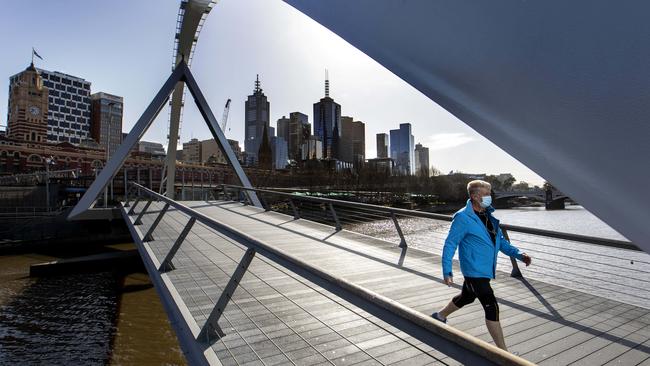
<point>32,55</point>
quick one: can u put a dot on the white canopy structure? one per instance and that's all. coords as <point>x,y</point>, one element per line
<point>563,86</point>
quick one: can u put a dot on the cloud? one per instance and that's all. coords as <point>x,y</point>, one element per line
<point>442,141</point>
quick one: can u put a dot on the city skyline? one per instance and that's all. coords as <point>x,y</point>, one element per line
<point>292,71</point>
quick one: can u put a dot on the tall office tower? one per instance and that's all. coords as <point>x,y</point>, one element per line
<point>299,132</point>
<point>106,120</point>
<point>69,107</point>
<point>422,161</point>
<point>256,120</point>
<point>382,145</point>
<point>283,128</point>
<point>265,154</point>
<point>28,106</point>
<point>353,141</point>
<point>402,149</point>
<point>327,121</point>
<point>280,152</point>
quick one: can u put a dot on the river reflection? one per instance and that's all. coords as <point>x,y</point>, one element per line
<point>89,319</point>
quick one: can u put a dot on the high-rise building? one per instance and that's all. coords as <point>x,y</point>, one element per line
<point>257,114</point>
<point>265,154</point>
<point>283,128</point>
<point>69,107</point>
<point>353,141</point>
<point>280,152</point>
<point>327,122</point>
<point>299,132</point>
<point>106,120</point>
<point>382,145</point>
<point>422,160</point>
<point>28,106</point>
<point>402,149</point>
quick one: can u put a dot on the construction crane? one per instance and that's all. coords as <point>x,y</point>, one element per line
<point>224,118</point>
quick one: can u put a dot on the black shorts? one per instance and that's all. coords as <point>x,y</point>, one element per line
<point>478,288</point>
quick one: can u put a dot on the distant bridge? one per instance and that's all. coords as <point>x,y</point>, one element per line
<point>553,198</point>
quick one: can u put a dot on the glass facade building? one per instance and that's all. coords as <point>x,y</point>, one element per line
<point>402,149</point>
<point>257,112</point>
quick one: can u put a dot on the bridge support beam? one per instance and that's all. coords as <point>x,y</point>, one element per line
<point>516,273</point>
<point>149,235</point>
<point>211,330</point>
<point>336,218</point>
<point>167,264</point>
<point>138,220</point>
<point>402,243</point>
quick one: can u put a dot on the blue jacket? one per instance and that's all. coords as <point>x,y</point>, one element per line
<point>477,253</point>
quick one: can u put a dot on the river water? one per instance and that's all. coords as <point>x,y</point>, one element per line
<point>99,319</point>
<point>81,319</point>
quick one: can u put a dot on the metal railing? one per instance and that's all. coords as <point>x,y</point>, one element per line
<point>211,329</point>
<point>393,213</point>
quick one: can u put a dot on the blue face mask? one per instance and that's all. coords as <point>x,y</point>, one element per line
<point>486,201</point>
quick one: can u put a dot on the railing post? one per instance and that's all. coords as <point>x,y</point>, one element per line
<point>336,218</point>
<point>130,212</point>
<point>126,196</point>
<point>402,243</point>
<point>138,220</point>
<point>515,266</point>
<point>167,264</point>
<point>263,202</point>
<point>296,214</point>
<point>211,329</point>
<point>148,236</point>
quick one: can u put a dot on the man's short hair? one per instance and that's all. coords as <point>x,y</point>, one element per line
<point>475,185</point>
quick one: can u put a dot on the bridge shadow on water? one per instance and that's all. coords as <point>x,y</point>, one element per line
<point>552,315</point>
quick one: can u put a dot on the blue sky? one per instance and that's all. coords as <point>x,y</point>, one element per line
<point>125,48</point>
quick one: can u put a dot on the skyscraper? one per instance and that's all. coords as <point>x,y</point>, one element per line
<point>106,120</point>
<point>265,154</point>
<point>256,120</point>
<point>382,145</point>
<point>28,106</point>
<point>422,160</point>
<point>353,141</point>
<point>69,107</point>
<point>283,128</point>
<point>280,152</point>
<point>402,149</point>
<point>327,121</point>
<point>299,131</point>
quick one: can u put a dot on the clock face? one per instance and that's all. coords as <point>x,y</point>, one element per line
<point>34,110</point>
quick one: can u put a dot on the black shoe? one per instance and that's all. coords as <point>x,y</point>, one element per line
<point>437,317</point>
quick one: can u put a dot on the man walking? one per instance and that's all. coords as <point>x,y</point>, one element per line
<point>480,239</point>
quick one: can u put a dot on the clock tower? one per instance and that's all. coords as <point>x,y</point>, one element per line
<point>28,104</point>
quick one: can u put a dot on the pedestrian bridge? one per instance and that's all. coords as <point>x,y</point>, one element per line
<point>249,285</point>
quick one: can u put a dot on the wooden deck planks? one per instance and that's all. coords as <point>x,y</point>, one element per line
<point>555,326</point>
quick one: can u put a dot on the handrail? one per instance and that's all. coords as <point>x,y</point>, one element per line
<point>459,337</point>
<point>612,243</point>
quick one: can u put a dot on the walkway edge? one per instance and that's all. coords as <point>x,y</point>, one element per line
<point>179,315</point>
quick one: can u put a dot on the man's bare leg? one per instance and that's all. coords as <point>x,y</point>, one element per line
<point>494,327</point>
<point>447,310</point>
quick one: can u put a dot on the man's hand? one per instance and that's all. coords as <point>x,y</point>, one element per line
<point>526,259</point>
<point>449,281</point>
